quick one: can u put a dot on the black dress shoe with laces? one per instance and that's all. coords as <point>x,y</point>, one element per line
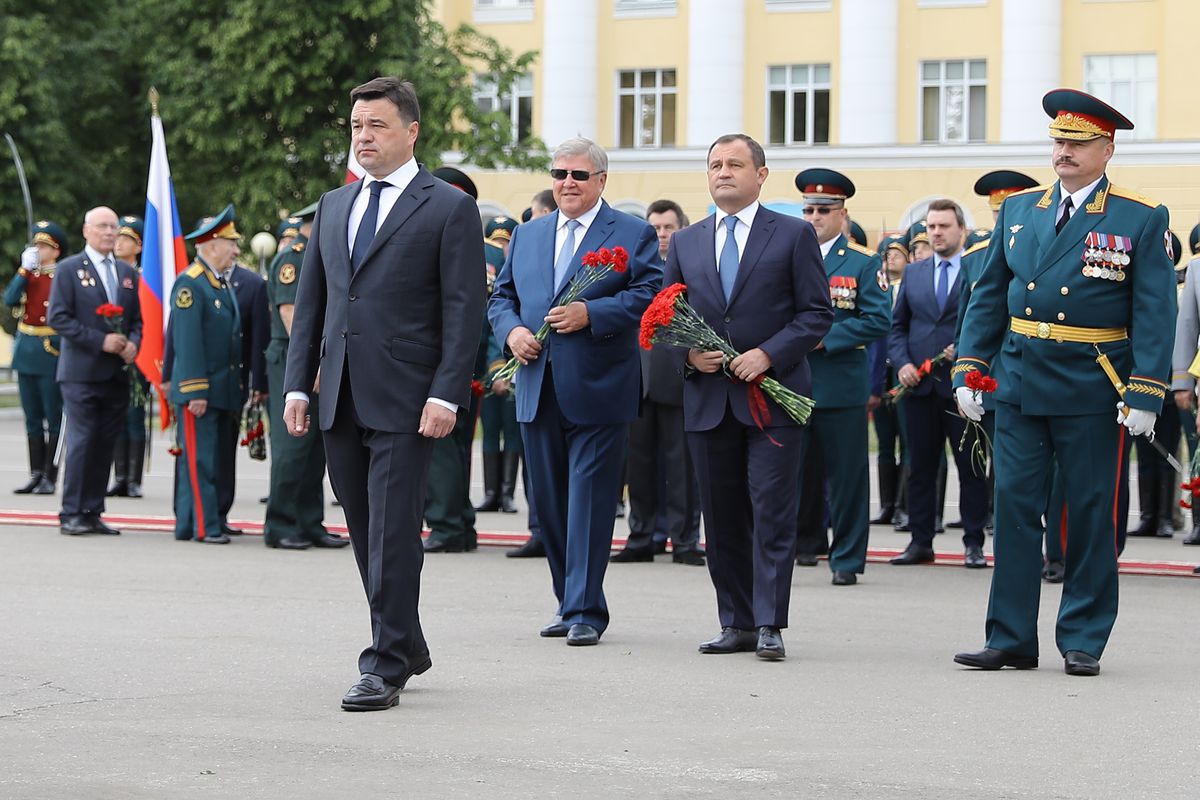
<point>990,658</point>
<point>371,693</point>
<point>770,644</point>
<point>1077,662</point>
<point>582,635</point>
<point>693,558</point>
<point>806,560</point>
<point>324,539</point>
<point>631,555</point>
<point>533,548</point>
<point>841,578</point>
<point>98,526</point>
<point>730,640</point>
<point>914,554</point>
<point>290,543</point>
<point>555,630</point>
<point>75,526</point>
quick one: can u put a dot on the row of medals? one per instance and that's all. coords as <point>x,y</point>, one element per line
<point>1101,262</point>
<point>842,296</point>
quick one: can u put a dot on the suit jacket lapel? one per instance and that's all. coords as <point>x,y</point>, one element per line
<point>760,234</point>
<point>415,194</point>
<point>543,248</point>
<point>707,259</point>
<point>833,261</point>
<point>341,216</point>
<point>951,306</point>
<point>1076,229</point>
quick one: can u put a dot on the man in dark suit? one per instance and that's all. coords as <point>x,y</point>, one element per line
<point>579,389</point>
<point>92,368</point>
<point>389,310</point>
<point>662,491</point>
<point>924,323</point>
<point>758,279</point>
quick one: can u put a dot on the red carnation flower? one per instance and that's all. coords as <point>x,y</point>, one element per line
<point>604,255</point>
<point>109,310</point>
<point>978,382</point>
<point>591,259</point>
<point>620,259</point>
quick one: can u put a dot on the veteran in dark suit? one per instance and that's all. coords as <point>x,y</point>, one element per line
<point>578,391</point>
<point>389,310</point>
<point>757,278</point>
<point>92,368</point>
<point>1077,278</point>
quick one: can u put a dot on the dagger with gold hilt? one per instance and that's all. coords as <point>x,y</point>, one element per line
<point>1119,385</point>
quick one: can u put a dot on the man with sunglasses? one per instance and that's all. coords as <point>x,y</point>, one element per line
<point>578,390</point>
<point>858,289</point>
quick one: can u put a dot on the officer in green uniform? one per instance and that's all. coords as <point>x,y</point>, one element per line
<point>1077,268</point>
<point>129,452</point>
<point>858,289</point>
<point>498,415</point>
<point>206,376</point>
<point>35,354</point>
<point>295,518</point>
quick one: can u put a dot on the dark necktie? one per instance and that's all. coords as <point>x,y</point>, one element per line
<point>1066,215</point>
<point>943,284</point>
<point>366,228</point>
<point>728,263</point>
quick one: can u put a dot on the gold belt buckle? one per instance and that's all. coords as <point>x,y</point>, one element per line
<point>1043,330</point>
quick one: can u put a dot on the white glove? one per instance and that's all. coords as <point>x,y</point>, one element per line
<point>30,259</point>
<point>970,407</point>
<point>1138,422</point>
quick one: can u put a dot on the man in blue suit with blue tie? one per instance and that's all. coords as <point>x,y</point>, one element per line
<point>758,279</point>
<point>924,322</point>
<point>578,391</point>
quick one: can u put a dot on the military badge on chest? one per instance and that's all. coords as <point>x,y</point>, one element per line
<point>843,291</point>
<point>85,277</point>
<point>1105,256</point>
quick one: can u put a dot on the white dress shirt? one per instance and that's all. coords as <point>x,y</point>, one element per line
<point>825,248</point>
<point>951,273</point>
<point>97,259</point>
<point>741,231</point>
<point>1077,198</point>
<point>585,221</point>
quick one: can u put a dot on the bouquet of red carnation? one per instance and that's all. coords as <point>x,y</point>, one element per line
<point>979,384</point>
<point>670,320</point>
<point>924,370</point>
<point>114,316</point>
<point>1192,486</point>
<point>254,434</point>
<point>599,263</point>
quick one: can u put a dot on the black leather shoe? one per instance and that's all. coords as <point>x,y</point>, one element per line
<point>938,527</point>
<point>582,635</point>
<point>98,526</point>
<point>914,554</point>
<point>633,554</point>
<point>885,517</point>
<point>45,486</point>
<point>371,693</point>
<point>417,668</point>
<point>900,523</point>
<point>264,499</point>
<point>134,490</point>
<point>218,539</point>
<point>974,558</point>
<point>433,545</point>
<point>956,525</point>
<point>690,557</point>
<point>290,543</point>
<point>1194,536</point>
<point>990,658</point>
<point>806,560</point>
<point>1054,571</point>
<point>533,548</point>
<point>770,644</point>
<point>1077,662</point>
<point>506,505</point>
<point>555,630</point>
<point>118,489</point>
<point>730,640</point>
<point>325,539</point>
<point>75,526</point>
<point>1166,529</point>
<point>229,530</point>
<point>844,579</point>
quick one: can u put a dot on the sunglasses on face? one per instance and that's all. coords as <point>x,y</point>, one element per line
<point>579,175</point>
<point>822,210</point>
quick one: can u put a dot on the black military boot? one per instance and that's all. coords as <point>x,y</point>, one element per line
<point>137,464</point>
<point>887,491</point>
<point>50,470</point>
<point>120,484</point>
<point>1166,504</point>
<point>491,483</point>
<point>37,460</point>
<point>508,481</point>
<point>1147,501</point>
<point>900,523</point>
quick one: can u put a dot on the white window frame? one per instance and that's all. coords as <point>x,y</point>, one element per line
<point>503,11</point>
<point>966,83</point>
<point>1143,89</point>
<point>658,91</point>
<point>486,89</point>
<point>790,90</point>
<point>644,9</point>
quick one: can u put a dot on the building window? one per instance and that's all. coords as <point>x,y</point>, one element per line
<point>635,9</point>
<point>517,103</point>
<point>503,10</point>
<point>954,101</point>
<point>798,104</point>
<point>646,108</point>
<point>1129,83</point>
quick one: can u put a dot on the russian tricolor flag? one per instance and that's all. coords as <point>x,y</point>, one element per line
<point>354,170</point>
<point>163,256</point>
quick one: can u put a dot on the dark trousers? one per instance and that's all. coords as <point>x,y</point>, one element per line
<point>296,501</point>
<point>42,402</point>
<point>1091,452</point>
<point>661,485</point>
<point>197,511</point>
<point>448,507</point>
<point>228,435</point>
<point>812,510</point>
<point>1056,518</point>
<point>380,477</point>
<point>575,474</point>
<point>841,436</point>
<point>95,414</point>
<point>933,420</point>
<point>748,492</point>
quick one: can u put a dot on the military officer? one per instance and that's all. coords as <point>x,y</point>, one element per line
<point>206,374</point>
<point>858,290</point>
<point>295,517</point>
<point>35,354</point>
<point>1078,266</point>
<point>129,453</point>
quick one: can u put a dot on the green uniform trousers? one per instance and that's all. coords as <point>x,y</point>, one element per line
<point>197,515</point>
<point>42,403</point>
<point>448,509</point>
<point>841,436</point>
<point>296,501</point>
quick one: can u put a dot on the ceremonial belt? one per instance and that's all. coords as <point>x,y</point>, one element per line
<point>1067,333</point>
<point>36,330</point>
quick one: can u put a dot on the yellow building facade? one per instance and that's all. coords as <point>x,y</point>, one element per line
<point>912,99</point>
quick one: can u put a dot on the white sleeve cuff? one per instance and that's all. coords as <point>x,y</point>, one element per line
<point>453,408</point>
<point>295,396</point>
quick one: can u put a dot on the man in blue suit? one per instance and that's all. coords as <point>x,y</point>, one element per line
<point>758,279</point>
<point>579,390</point>
<point>924,322</point>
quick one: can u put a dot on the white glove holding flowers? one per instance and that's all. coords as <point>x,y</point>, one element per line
<point>969,403</point>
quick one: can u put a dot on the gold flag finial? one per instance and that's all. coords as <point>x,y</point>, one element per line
<point>153,96</point>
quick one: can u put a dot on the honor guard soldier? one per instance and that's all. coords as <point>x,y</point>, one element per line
<point>1068,318</point>
<point>858,291</point>
<point>206,374</point>
<point>918,242</point>
<point>35,354</point>
<point>129,453</point>
<point>295,518</point>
